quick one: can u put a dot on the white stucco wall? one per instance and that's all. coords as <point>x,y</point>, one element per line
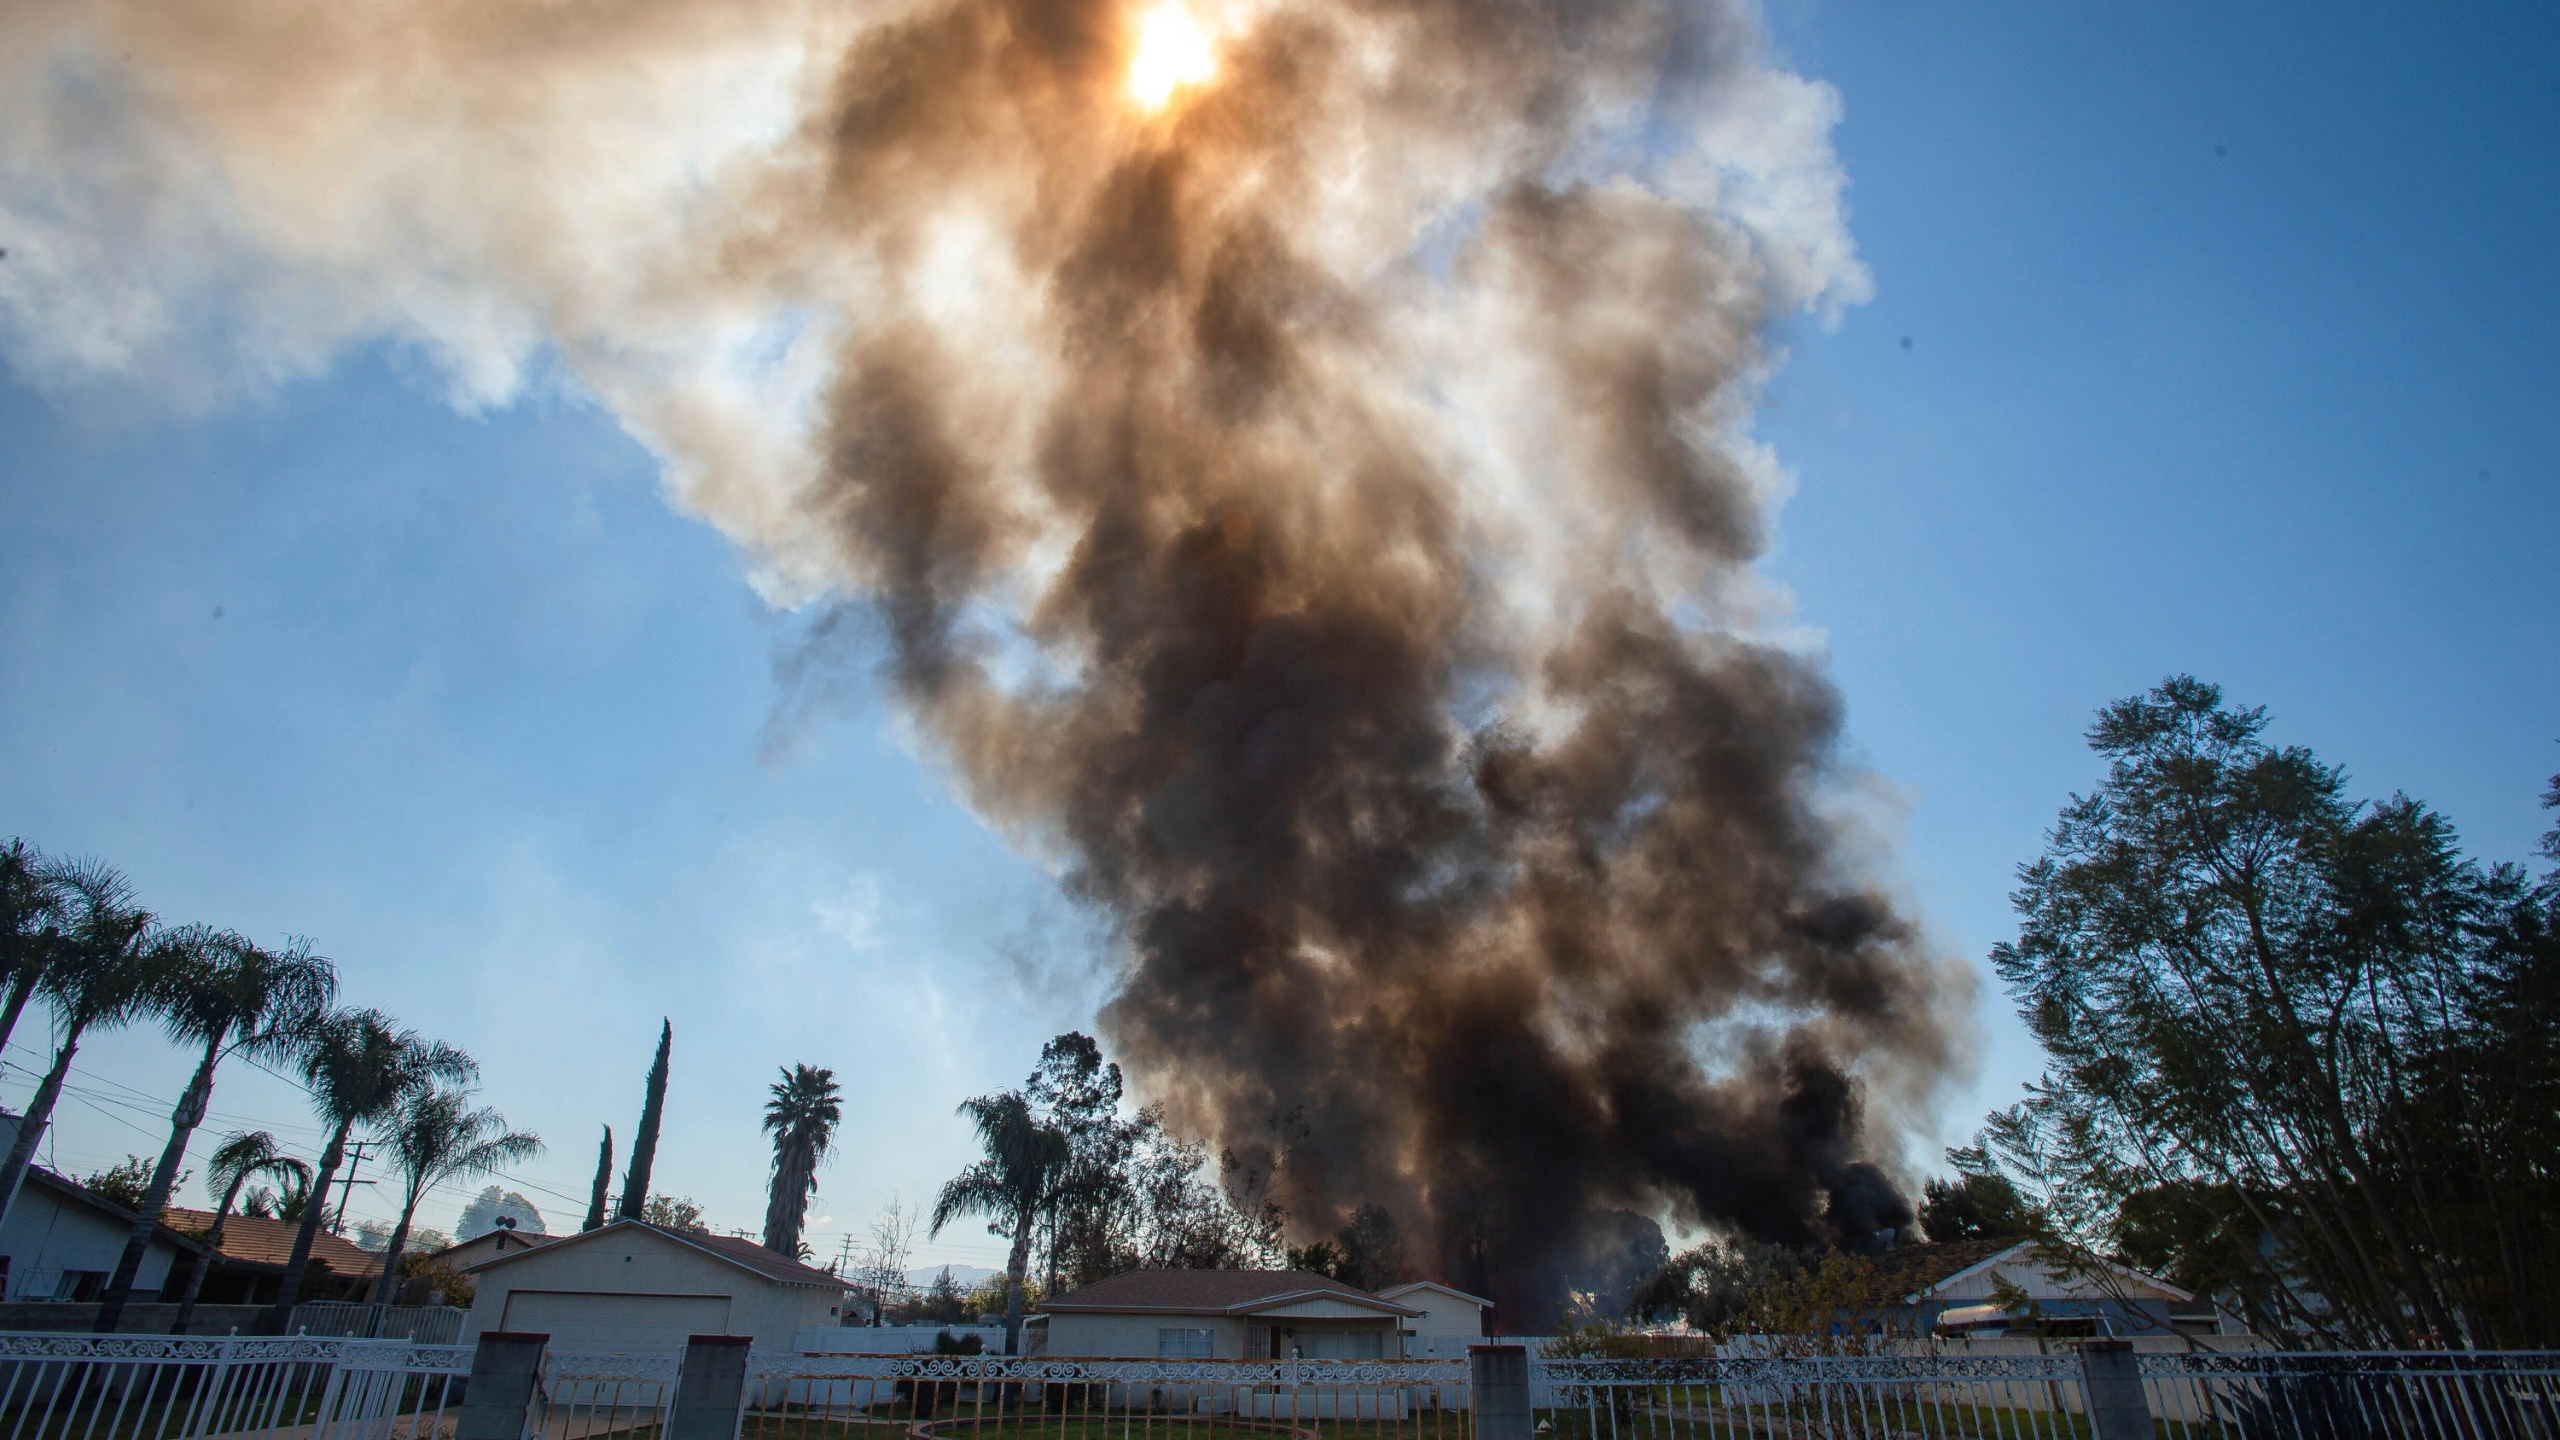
<point>1443,1316</point>
<point>47,1235</point>
<point>1133,1337</point>
<point>634,1261</point>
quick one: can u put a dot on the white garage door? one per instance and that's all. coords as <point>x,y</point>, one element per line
<point>589,1320</point>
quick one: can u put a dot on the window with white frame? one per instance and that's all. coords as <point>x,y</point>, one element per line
<point>1185,1344</point>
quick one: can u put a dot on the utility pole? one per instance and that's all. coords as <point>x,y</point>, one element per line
<point>348,1182</point>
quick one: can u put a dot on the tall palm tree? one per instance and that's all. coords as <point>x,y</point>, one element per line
<point>236,1161</point>
<point>101,972</point>
<point>1015,1185</point>
<point>801,1117</point>
<point>437,1136</point>
<point>224,996</point>
<point>31,916</point>
<point>359,1066</point>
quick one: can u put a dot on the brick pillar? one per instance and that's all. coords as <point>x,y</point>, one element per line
<point>2112,1381</point>
<point>711,1391</point>
<point>1498,1377</point>
<point>506,1374</point>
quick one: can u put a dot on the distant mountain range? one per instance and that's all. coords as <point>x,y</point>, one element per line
<point>966,1275</point>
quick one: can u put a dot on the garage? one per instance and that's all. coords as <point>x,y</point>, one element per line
<point>636,1288</point>
<point>617,1321</point>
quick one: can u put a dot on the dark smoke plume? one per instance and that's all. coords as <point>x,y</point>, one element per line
<point>1453,879</point>
<point>1318,509</point>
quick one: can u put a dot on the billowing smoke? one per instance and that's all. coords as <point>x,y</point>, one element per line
<point>1297,456</point>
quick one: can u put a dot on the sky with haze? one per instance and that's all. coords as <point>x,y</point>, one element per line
<point>2217,339</point>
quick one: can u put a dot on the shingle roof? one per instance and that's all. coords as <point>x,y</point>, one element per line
<point>745,1254</point>
<point>252,1240</point>
<point>1910,1269</point>
<point>1224,1291</point>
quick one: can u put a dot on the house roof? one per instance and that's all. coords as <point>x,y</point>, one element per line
<point>464,1254</point>
<point>78,1193</point>
<point>745,1254</point>
<point>1224,1292</point>
<point>265,1244</point>
<point>1908,1268</point>
<point>1452,1291</point>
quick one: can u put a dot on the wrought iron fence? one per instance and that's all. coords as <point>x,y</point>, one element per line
<point>423,1324</point>
<point>1844,1397</point>
<point>111,1387</point>
<point>930,1397</point>
<point>2430,1395</point>
<point>588,1396</point>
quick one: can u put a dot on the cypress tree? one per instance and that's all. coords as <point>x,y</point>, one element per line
<point>644,1148</point>
<point>604,1182</point>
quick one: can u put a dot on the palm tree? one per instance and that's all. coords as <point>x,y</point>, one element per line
<point>237,1160</point>
<point>225,996</point>
<point>359,1066</point>
<point>31,915</point>
<point>101,972</point>
<point>437,1136</point>
<point>801,1117</point>
<point>1016,1184</point>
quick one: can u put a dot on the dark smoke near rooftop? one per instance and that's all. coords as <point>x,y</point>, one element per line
<point>1305,485</point>
<point>1455,875</point>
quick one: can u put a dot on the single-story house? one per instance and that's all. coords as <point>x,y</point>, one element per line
<point>1451,1319</point>
<point>1953,1289</point>
<point>254,1251</point>
<point>61,1241</point>
<point>1226,1315</point>
<point>503,1240</point>
<point>634,1286</point>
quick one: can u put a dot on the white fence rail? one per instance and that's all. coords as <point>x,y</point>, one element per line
<point>109,1387</point>
<point>76,1387</point>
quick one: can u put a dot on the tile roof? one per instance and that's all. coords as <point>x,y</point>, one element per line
<point>1195,1291</point>
<point>252,1240</point>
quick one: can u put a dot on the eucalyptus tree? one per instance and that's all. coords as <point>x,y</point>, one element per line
<point>360,1067</point>
<point>239,1159</point>
<point>224,996</point>
<point>101,970</point>
<point>1017,1183</point>
<point>437,1135</point>
<point>31,915</point>
<point>801,1117</point>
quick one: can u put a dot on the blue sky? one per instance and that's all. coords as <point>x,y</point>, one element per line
<point>2205,338</point>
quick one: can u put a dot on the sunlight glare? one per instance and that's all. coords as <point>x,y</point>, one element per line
<point>1173,51</point>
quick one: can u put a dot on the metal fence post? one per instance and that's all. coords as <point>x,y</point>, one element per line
<point>711,1389</point>
<point>506,1373</point>
<point>2112,1382</point>
<point>1498,1377</point>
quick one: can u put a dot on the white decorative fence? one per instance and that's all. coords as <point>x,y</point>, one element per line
<point>110,1387</point>
<point>75,1387</point>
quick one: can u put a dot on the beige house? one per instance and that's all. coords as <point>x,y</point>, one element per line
<point>636,1287</point>
<point>1225,1315</point>
<point>1451,1319</point>
<point>1954,1289</point>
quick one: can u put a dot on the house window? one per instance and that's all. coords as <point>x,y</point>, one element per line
<point>1185,1344</point>
<point>81,1285</point>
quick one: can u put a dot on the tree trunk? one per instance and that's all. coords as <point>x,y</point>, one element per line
<point>1015,1262</point>
<point>19,989</point>
<point>182,1128</point>
<point>644,1146</point>
<point>204,1262</point>
<point>383,1287</point>
<point>13,1172</point>
<point>289,1289</point>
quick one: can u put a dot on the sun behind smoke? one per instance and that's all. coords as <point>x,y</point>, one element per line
<point>1173,51</point>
